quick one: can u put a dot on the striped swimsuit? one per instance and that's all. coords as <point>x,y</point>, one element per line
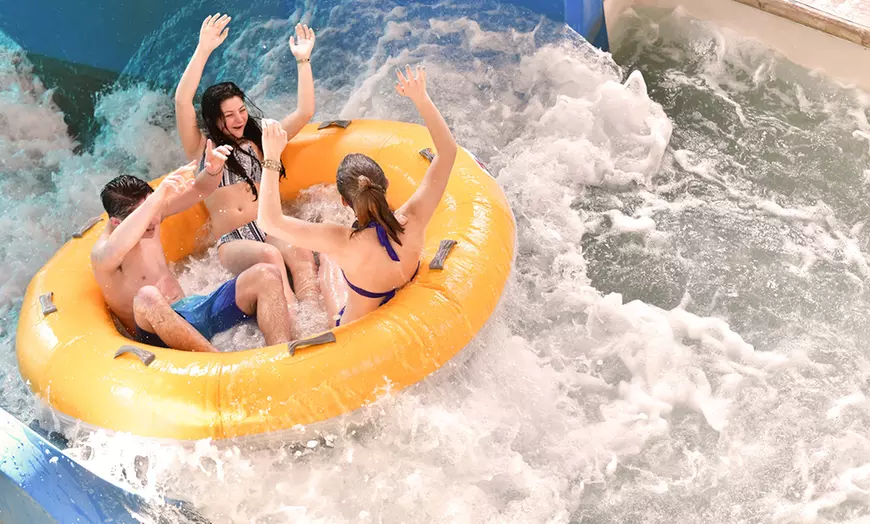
<point>251,164</point>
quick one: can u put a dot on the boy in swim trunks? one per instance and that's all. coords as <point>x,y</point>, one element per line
<point>131,270</point>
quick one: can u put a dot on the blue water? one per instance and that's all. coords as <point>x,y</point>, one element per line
<point>683,336</point>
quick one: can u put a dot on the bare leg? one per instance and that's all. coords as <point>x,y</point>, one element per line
<point>302,267</point>
<point>240,255</point>
<point>332,285</point>
<point>258,291</point>
<point>153,313</point>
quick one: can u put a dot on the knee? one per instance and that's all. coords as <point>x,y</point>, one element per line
<point>272,255</point>
<point>305,256</point>
<point>266,273</point>
<point>148,297</point>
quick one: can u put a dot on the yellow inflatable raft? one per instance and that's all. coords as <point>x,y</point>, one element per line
<point>68,346</point>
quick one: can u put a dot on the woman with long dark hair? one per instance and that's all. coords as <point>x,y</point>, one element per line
<point>381,251</point>
<point>231,119</point>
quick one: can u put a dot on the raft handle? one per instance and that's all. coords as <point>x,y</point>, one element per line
<point>48,306</point>
<point>146,357</point>
<point>441,255</point>
<point>427,154</point>
<point>337,123</point>
<point>80,232</point>
<point>324,338</point>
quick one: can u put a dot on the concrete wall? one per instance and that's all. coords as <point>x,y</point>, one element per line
<point>811,48</point>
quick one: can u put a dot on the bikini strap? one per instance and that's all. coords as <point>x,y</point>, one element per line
<point>384,240</point>
<point>366,293</point>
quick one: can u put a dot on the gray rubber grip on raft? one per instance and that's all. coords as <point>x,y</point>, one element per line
<point>324,338</point>
<point>146,357</point>
<point>80,232</point>
<point>48,306</point>
<point>427,154</point>
<point>336,123</point>
<point>441,255</point>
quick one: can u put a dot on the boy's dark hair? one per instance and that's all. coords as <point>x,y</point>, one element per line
<point>123,194</point>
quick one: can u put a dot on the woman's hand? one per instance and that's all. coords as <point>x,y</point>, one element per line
<point>274,140</point>
<point>215,157</point>
<point>412,85</point>
<point>214,31</point>
<point>303,44</point>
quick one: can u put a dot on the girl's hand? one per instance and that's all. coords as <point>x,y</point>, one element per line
<point>214,31</point>
<point>274,140</point>
<point>412,85</point>
<point>303,44</point>
<point>215,157</point>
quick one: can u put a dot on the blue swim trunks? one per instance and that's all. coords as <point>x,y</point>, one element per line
<point>209,314</point>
